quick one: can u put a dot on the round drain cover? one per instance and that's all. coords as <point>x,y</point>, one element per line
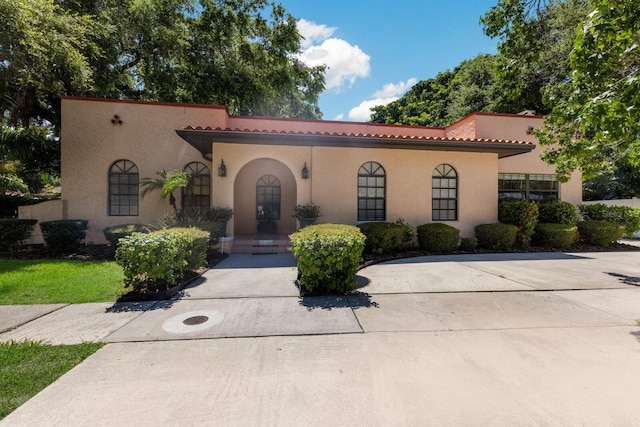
<point>195,320</point>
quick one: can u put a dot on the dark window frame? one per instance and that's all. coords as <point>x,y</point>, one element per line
<point>372,192</point>
<point>268,198</point>
<point>444,193</point>
<point>123,189</point>
<point>197,198</point>
<point>528,187</point>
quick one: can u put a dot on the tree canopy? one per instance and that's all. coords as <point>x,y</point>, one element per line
<point>595,123</point>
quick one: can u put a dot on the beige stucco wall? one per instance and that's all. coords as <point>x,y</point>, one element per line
<point>333,182</point>
<point>91,143</point>
<point>50,210</point>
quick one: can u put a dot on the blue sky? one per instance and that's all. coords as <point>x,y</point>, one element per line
<point>377,49</point>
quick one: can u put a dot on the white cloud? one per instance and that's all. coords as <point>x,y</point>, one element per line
<point>345,62</point>
<point>389,93</point>
<point>362,113</point>
<point>395,89</point>
<point>339,117</point>
<point>313,33</point>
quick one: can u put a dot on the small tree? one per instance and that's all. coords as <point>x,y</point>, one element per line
<point>167,183</point>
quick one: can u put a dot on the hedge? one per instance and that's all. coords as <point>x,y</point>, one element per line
<point>438,238</point>
<point>13,231</point>
<point>557,236</point>
<point>385,237</point>
<point>328,256</point>
<point>557,212</point>
<point>521,213</point>
<point>599,233</point>
<point>499,237</point>
<point>64,235</point>
<point>117,232</point>
<point>627,216</point>
<point>158,260</point>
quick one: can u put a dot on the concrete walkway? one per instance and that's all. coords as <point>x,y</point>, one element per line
<point>492,339</point>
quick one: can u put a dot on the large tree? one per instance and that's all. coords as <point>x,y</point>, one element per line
<point>595,122</point>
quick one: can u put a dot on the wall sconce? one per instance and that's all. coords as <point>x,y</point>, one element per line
<point>222,169</point>
<point>305,171</point>
<point>116,120</point>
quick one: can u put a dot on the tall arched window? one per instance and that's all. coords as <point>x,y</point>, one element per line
<point>123,189</point>
<point>268,197</point>
<point>197,198</point>
<point>371,192</point>
<point>444,202</point>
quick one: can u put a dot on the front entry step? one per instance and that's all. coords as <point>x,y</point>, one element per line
<point>256,244</point>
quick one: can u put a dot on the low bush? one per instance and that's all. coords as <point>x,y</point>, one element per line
<point>627,216</point>
<point>64,235</point>
<point>117,232</point>
<point>438,238</point>
<point>158,260</point>
<point>328,256</point>
<point>557,236</point>
<point>521,213</point>
<point>558,212</point>
<point>499,237</point>
<point>468,244</point>
<point>13,231</point>
<point>184,219</point>
<point>599,233</point>
<point>386,237</point>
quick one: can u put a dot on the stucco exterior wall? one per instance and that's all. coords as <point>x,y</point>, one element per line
<point>50,210</point>
<point>91,143</point>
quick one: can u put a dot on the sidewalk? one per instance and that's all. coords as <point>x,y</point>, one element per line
<point>493,339</point>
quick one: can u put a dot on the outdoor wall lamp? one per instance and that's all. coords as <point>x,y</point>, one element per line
<point>222,169</point>
<point>305,171</point>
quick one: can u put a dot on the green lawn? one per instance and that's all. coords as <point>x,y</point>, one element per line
<point>50,281</point>
<point>28,367</point>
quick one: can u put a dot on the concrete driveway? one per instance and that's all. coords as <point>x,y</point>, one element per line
<point>496,340</point>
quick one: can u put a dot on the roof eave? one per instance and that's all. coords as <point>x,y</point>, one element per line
<point>202,140</point>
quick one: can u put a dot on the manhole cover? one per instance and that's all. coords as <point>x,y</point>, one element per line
<point>195,320</point>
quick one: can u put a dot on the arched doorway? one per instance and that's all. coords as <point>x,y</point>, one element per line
<point>264,193</point>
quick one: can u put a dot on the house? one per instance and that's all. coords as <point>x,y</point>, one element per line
<point>262,167</point>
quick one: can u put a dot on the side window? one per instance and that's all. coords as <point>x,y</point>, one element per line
<point>372,187</point>
<point>123,189</point>
<point>268,197</point>
<point>197,198</point>
<point>444,196</point>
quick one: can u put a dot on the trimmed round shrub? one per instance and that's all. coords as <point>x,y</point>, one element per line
<point>468,244</point>
<point>117,232</point>
<point>599,233</point>
<point>64,235</point>
<point>328,257</point>
<point>557,236</point>
<point>438,238</point>
<point>385,237</point>
<point>499,237</point>
<point>558,212</point>
<point>14,230</point>
<point>521,213</point>
<point>158,260</point>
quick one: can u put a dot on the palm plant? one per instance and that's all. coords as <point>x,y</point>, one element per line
<point>167,183</point>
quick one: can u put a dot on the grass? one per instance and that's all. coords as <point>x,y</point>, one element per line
<point>51,281</point>
<point>28,367</point>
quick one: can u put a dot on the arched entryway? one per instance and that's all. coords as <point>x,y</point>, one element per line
<point>264,193</point>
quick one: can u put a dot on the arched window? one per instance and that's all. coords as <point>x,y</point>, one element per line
<point>197,198</point>
<point>123,189</point>
<point>444,202</point>
<point>268,197</point>
<point>371,192</point>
